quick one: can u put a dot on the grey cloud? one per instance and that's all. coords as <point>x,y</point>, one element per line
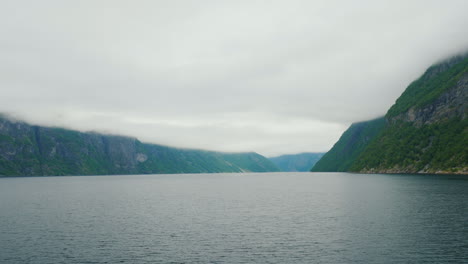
<point>221,75</point>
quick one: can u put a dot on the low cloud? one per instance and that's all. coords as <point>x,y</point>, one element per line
<point>268,76</point>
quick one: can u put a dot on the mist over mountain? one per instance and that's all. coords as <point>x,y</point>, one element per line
<point>27,150</point>
<point>274,77</point>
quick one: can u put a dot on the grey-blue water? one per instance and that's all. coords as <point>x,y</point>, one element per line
<point>235,218</point>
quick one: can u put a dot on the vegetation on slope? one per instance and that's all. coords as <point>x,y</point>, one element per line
<point>436,80</point>
<point>426,130</point>
<point>402,147</point>
<point>32,150</point>
<point>350,145</point>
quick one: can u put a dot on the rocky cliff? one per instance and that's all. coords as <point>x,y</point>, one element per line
<point>27,150</point>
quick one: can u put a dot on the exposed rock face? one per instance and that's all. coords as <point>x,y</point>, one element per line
<point>451,104</point>
<point>18,145</point>
<point>32,150</point>
<point>141,157</point>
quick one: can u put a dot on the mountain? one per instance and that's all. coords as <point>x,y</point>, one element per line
<point>347,149</point>
<point>27,150</point>
<point>296,162</point>
<point>425,131</point>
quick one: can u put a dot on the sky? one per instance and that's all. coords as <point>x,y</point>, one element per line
<point>274,77</point>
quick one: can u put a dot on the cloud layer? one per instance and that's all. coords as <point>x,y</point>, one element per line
<point>268,76</point>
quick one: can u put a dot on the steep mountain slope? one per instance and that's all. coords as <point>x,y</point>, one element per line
<point>34,150</point>
<point>426,130</point>
<point>296,162</point>
<point>347,149</point>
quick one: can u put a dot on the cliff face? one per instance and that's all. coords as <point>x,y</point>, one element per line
<point>426,130</point>
<point>27,150</point>
<point>449,105</point>
<point>19,149</point>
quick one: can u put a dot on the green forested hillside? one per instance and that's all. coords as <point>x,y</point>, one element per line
<point>425,131</point>
<point>347,149</point>
<point>297,162</point>
<point>32,150</point>
<point>439,147</point>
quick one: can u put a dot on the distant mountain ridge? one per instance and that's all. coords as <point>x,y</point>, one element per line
<point>425,131</point>
<point>27,150</point>
<point>296,162</point>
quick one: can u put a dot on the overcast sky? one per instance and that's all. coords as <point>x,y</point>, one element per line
<point>275,77</point>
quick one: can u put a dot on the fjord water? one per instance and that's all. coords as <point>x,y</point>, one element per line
<point>235,218</point>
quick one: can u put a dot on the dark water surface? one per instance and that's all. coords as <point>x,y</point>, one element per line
<point>235,218</point>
